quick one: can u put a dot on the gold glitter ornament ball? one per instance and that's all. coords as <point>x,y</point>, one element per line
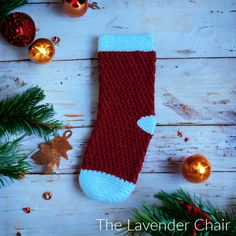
<point>196,168</point>
<point>41,51</point>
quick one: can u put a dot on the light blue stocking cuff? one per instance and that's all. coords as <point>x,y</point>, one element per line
<point>124,43</point>
<point>104,187</point>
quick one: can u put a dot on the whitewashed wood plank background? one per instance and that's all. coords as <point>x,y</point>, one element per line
<point>195,94</point>
<point>72,213</point>
<point>72,87</point>
<point>166,150</point>
<point>182,28</point>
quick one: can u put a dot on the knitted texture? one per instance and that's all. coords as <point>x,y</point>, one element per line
<point>122,43</point>
<point>125,120</point>
<point>103,186</point>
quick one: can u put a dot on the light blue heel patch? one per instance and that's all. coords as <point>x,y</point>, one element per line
<point>104,187</point>
<point>147,123</point>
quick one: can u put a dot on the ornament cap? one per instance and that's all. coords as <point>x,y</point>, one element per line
<point>67,134</point>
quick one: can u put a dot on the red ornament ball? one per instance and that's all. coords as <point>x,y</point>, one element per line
<point>18,29</point>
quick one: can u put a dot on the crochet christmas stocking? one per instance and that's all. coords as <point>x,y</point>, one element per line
<point>125,121</point>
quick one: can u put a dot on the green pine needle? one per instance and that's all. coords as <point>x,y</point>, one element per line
<point>25,113</point>
<point>8,5</point>
<point>170,209</point>
<point>13,163</point>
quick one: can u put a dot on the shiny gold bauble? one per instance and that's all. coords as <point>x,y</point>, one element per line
<point>41,51</point>
<point>75,8</point>
<point>196,168</point>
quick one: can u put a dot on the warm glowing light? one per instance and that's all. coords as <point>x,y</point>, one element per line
<point>201,169</point>
<point>41,51</point>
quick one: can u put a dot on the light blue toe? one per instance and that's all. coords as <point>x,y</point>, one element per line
<point>147,123</point>
<point>104,187</point>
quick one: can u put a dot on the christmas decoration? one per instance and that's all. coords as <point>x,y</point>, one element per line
<point>50,152</point>
<point>22,114</point>
<point>18,29</point>
<point>181,215</point>
<point>27,210</point>
<point>13,163</point>
<point>126,119</point>
<point>56,40</point>
<point>8,6</point>
<point>75,8</point>
<point>41,51</point>
<point>186,139</point>
<point>196,168</point>
<point>47,195</point>
<point>93,5</point>
<point>179,134</point>
<point>26,113</point>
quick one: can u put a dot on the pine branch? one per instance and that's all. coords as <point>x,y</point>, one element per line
<point>170,203</point>
<point>171,209</point>
<point>8,5</point>
<point>13,163</point>
<point>23,113</point>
